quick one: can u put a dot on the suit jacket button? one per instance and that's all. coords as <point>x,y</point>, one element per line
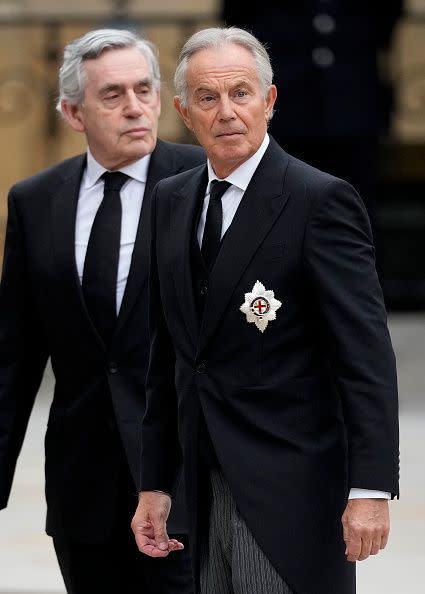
<point>201,368</point>
<point>113,367</point>
<point>204,290</point>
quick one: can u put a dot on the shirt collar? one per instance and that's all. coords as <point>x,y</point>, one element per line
<point>94,170</point>
<point>241,176</point>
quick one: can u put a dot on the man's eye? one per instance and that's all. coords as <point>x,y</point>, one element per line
<point>114,96</point>
<point>241,93</point>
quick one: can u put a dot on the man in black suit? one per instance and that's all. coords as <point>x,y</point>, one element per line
<point>74,288</point>
<point>270,359</point>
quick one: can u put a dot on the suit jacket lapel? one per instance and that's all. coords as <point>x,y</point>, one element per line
<point>163,163</point>
<point>64,209</point>
<point>261,205</point>
<point>185,206</point>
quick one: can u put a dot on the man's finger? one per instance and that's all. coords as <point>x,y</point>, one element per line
<point>152,551</point>
<point>161,536</point>
<point>366,543</point>
<point>352,540</point>
<point>384,537</point>
<point>145,537</point>
<point>353,550</point>
<point>376,545</point>
<point>148,545</point>
<point>175,545</point>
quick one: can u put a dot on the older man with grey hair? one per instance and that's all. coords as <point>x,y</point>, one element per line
<point>74,288</point>
<point>271,362</point>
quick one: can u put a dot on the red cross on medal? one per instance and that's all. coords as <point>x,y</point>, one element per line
<point>260,306</point>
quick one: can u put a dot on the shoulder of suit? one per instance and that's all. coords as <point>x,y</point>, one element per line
<point>305,176</point>
<point>313,189</point>
<point>47,176</point>
<point>177,181</point>
<point>306,184</point>
<point>191,153</point>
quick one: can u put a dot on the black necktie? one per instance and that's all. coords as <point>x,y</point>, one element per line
<point>101,263</point>
<point>213,223</point>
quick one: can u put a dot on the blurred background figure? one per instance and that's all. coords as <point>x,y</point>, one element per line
<point>335,99</point>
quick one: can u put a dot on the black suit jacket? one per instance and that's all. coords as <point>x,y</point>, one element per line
<point>99,397</point>
<point>298,414</point>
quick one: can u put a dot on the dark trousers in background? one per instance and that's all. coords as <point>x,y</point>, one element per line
<point>117,567</point>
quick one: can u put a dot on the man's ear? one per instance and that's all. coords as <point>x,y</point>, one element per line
<point>183,112</point>
<point>270,101</point>
<point>73,116</point>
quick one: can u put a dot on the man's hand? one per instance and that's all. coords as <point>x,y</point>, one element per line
<point>366,524</point>
<point>149,525</point>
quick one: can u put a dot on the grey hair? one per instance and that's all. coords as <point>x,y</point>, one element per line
<point>216,37</point>
<point>73,75</point>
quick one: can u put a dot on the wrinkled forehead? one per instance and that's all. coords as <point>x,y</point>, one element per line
<point>228,63</point>
<point>116,66</point>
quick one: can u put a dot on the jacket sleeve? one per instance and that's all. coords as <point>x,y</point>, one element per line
<point>161,454</point>
<point>339,254</point>
<point>23,352</point>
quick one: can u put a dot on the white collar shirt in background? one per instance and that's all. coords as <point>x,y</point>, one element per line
<point>89,200</point>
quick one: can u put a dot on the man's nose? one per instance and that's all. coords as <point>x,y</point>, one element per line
<point>133,106</point>
<point>226,110</point>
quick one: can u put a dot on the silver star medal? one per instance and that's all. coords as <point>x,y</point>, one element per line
<point>260,306</point>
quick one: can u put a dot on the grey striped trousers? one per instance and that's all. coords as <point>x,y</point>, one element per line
<point>231,560</point>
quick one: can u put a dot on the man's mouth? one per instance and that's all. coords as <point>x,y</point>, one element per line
<point>228,134</point>
<point>137,132</point>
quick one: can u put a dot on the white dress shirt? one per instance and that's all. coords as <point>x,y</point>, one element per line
<point>232,197</point>
<point>240,178</point>
<point>89,199</point>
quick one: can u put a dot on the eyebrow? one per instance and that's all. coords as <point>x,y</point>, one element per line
<point>108,87</point>
<point>242,82</point>
<point>204,89</point>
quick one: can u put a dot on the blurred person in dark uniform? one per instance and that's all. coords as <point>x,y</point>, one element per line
<point>335,100</point>
<point>74,287</point>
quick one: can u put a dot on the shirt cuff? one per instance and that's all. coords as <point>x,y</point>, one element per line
<point>368,494</point>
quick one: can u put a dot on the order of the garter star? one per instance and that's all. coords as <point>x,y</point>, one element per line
<point>260,306</point>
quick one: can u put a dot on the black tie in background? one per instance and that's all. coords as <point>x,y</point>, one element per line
<point>213,223</point>
<point>101,263</point>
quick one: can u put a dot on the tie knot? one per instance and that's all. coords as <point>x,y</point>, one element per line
<point>218,188</point>
<point>114,180</point>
